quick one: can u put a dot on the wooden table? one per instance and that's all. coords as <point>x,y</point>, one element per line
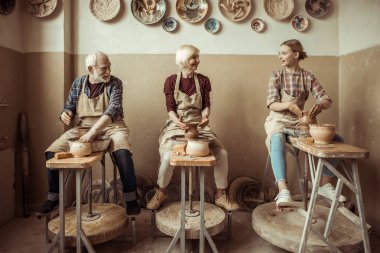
<point>76,164</point>
<point>185,161</point>
<point>347,156</point>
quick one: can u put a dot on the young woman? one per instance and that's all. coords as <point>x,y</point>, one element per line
<point>188,100</point>
<point>288,90</point>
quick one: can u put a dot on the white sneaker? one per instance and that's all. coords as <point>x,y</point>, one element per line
<point>328,191</point>
<point>283,198</point>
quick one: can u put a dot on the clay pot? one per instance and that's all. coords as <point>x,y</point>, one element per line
<point>80,149</point>
<point>322,133</point>
<point>197,148</point>
<point>306,120</point>
<point>82,131</point>
<point>192,131</point>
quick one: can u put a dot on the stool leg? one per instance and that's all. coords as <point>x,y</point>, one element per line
<point>47,219</point>
<point>153,224</point>
<point>103,162</point>
<point>229,221</point>
<point>133,222</point>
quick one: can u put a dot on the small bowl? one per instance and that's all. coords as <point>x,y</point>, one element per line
<point>299,23</point>
<point>212,25</point>
<point>80,149</point>
<point>257,25</point>
<point>99,144</point>
<point>306,120</point>
<point>169,24</point>
<point>322,133</point>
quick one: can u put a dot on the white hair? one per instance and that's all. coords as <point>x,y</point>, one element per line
<point>91,58</point>
<point>184,54</point>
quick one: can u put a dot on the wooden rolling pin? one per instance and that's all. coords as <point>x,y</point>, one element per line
<point>63,155</point>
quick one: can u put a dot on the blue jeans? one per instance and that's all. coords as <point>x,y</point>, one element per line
<point>278,156</point>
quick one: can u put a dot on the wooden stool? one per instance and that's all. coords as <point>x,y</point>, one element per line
<point>347,156</point>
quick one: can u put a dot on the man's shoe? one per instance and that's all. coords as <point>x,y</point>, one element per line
<point>283,198</point>
<point>157,200</point>
<point>48,206</point>
<point>223,201</point>
<point>328,191</point>
<point>133,207</point>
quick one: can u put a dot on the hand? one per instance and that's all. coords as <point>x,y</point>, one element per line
<point>295,109</point>
<point>315,110</point>
<point>66,117</point>
<point>204,122</point>
<point>181,125</point>
<point>87,137</point>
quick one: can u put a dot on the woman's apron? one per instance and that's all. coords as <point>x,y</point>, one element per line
<point>276,121</point>
<point>189,109</point>
<point>89,111</point>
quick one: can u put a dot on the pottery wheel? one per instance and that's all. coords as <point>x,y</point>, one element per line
<point>168,220</point>
<point>284,229</point>
<point>108,225</point>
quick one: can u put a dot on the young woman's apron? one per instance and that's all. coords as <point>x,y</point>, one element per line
<point>89,110</point>
<point>276,121</point>
<point>189,109</point>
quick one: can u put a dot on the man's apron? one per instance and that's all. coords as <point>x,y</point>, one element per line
<point>276,121</point>
<point>89,110</point>
<point>189,109</point>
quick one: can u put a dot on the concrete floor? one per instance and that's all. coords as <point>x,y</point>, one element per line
<point>25,235</point>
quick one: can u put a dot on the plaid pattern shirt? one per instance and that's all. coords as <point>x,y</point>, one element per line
<point>294,84</point>
<point>187,86</point>
<point>114,90</point>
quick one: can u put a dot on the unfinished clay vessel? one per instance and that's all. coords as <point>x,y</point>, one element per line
<point>322,133</point>
<point>80,149</point>
<point>306,120</point>
<point>192,131</point>
<point>197,147</point>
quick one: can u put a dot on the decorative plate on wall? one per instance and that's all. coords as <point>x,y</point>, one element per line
<point>300,23</point>
<point>169,24</point>
<point>235,10</point>
<point>212,25</point>
<point>192,11</point>
<point>7,6</point>
<point>317,8</point>
<point>105,10</point>
<point>148,11</point>
<point>40,8</point>
<point>279,9</point>
<point>257,25</point>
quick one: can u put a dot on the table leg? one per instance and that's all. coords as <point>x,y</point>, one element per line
<point>202,210</point>
<point>61,212</point>
<point>103,162</point>
<point>78,210</point>
<point>183,207</point>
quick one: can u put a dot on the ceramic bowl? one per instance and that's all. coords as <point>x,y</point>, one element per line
<point>317,8</point>
<point>257,25</point>
<point>299,23</point>
<point>322,133</point>
<point>306,120</point>
<point>148,12</point>
<point>192,11</point>
<point>192,131</point>
<point>169,24</point>
<point>99,144</point>
<point>212,25</point>
<point>236,10</point>
<point>80,149</point>
<point>197,148</point>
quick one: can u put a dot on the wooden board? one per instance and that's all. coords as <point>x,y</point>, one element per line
<point>332,150</point>
<point>185,160</point>
<point>108,226</point>
<point>75,162</point>
<point>284,229</point>
<point>168,220</point>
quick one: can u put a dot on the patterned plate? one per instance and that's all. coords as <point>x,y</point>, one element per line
<point>235,10</point>
<point>40,8</point>
<point>257,25</point>
<point>148,11</point>
<point>192,11</point>
<point>169,24</point>
<point>212,25</point>
<point>317,8</point>
<point>300,23</point>
<point>7,6</point>
<point>279,9</point>
<point>105,10</point>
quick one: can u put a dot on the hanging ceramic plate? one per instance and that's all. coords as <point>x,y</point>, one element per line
<point>7,6</point>
<point>192,11</point>
<point>105,10</point>
<point>300,23</point>
<point>40,8</point>
<point>257,25</point>
<point>148,11</point>
<point>235,10</point>
<point>317,8</point>
<point>279,9</point>
<point>169,24</point>
<point>212,25</point>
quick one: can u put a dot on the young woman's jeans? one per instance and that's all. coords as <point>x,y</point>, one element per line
<point>278,156</point>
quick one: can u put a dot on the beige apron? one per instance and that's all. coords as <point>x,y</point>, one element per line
<point>89,110</point>
<point>189,109</point>
<point>276,121</point>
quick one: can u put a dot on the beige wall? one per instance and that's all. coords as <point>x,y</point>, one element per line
<point>360,119</point>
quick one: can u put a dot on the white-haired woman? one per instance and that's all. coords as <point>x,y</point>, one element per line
<point>187,96</point>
